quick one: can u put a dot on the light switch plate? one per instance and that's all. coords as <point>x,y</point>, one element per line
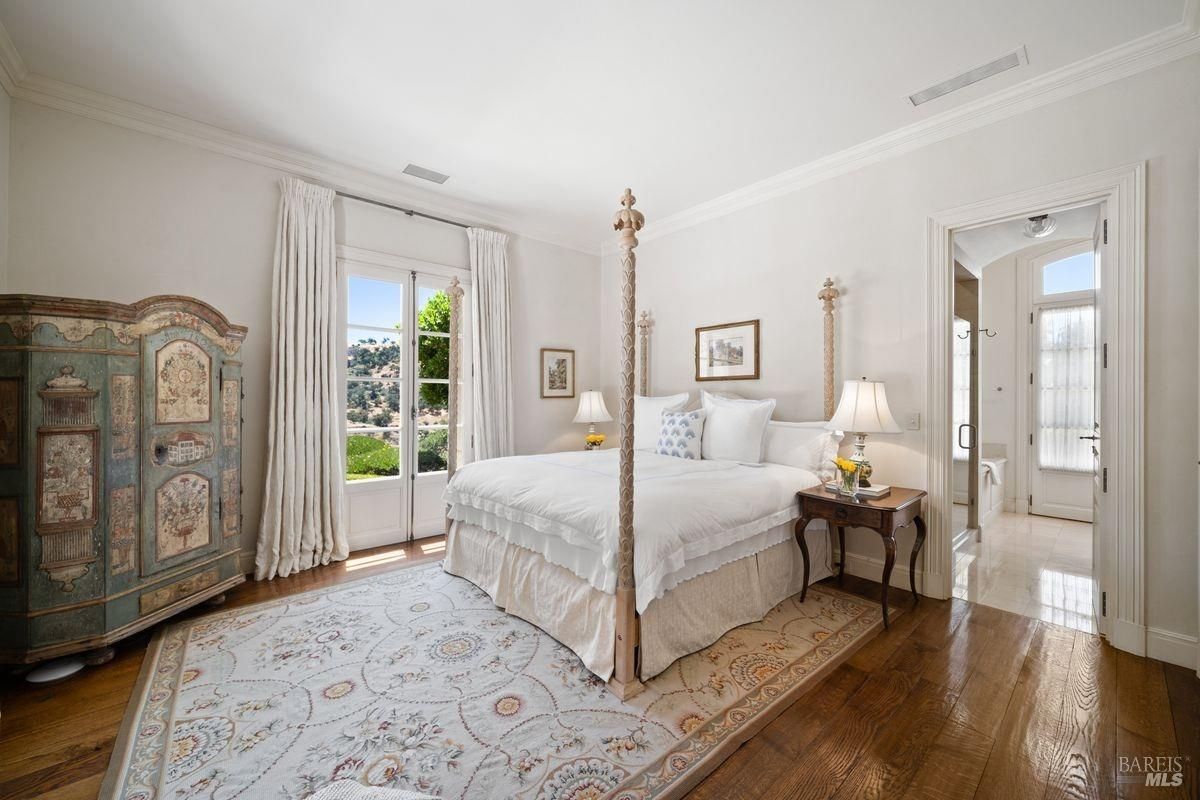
<point>912,422</point>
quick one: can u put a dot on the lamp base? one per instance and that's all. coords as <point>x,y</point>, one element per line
<point>859,456</point>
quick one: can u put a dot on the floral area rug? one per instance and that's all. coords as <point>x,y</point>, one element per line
<point>414,680</point>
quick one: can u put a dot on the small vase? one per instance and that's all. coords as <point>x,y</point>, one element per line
<point>848,482</point>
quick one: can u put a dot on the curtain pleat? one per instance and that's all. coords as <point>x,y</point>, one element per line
<point>491,351</point>
<point>303,519</point>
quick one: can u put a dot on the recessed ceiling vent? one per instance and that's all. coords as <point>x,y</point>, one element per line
<point>427,174</point>
<point>1012,60</point>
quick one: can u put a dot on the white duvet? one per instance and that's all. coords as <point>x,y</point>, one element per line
<point>689,516</point>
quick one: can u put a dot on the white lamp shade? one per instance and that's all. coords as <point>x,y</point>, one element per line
<point>591,408</point>
<point>863,409</point>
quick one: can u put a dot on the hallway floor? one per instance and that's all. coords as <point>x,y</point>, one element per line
<point>1040,567</point>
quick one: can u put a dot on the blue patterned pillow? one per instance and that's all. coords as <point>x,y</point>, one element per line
<point>681,433</point>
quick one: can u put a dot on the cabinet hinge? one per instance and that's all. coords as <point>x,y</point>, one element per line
<point>1104,604</point>
<point>220,507</point>
<point>1106,231</point>
<point>1104,479</point>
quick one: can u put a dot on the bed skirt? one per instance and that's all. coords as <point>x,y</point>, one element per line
<point>688,618</point>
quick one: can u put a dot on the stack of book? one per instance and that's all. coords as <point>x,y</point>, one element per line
<point>875,490</point>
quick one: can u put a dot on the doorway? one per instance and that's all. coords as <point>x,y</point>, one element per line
<point>396,378</point>
<point>1025,414</point>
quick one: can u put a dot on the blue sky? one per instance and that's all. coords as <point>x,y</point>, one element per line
<point>379,303</point>
<point>1068,275</point>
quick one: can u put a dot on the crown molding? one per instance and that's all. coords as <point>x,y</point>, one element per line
<point>21,84</point>
<point>1153,50</point>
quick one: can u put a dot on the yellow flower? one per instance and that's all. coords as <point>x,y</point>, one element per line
<point>846,465</point>
<point>595,438</point>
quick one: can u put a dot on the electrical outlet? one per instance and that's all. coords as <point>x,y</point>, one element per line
<point>912,422</point>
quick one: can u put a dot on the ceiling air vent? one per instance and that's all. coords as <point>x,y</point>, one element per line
<point>427,174</point>
<point>1006,62</point>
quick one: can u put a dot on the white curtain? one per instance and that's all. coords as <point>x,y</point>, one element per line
<point>491,351</point>
<point>1066,353</point>
<point>962,383</point>
<point>303,521</point>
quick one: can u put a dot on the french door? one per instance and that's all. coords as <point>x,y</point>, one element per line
<point>397,325</point>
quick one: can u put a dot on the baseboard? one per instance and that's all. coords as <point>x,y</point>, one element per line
<point>872,569</point>
<point>1010,505</point>
<point>1173,648</point>
<point>246,562</point>
<point>376,538</point>
<point>1127,636</point>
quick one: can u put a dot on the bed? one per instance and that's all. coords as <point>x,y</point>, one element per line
<point>554,540</point>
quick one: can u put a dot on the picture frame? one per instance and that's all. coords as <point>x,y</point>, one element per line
<point>728,352</point>
<point>557,366</point>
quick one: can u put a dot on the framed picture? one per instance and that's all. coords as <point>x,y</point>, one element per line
<point>727,352</point>
<point>558,372</point>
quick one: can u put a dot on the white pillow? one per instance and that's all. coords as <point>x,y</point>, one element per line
<point>647,417</point>
<point>807,445</point>
<point>734,429</point>
<point>681,434</point>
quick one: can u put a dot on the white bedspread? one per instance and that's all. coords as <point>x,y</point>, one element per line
<point>690,517</point>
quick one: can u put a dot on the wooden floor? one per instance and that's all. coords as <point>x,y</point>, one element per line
<point>957,700</point>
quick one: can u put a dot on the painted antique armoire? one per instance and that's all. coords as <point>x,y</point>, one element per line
<point>120,467</point>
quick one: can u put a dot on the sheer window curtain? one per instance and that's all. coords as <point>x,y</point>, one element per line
<point>962,383</point>
<point>491,352</point>
<point>1066,339</point>
<point>303,519</point>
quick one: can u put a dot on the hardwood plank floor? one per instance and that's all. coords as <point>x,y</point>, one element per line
<point>955,701</point>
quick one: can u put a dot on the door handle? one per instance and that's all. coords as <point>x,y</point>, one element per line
<point>970,429</point>
<point>1091,438</point>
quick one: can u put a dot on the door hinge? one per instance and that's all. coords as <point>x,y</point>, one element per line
<point>1031,440</point>
<point>1106,231</point>
<point>1104,479</point>
<point>1031,501</point>
<point>1104,355</point>
<point>1031,379</point>
<point>1104,604</point>
<point>1030,317</point>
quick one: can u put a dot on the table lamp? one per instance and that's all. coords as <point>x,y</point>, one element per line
<point>863,409</point>
<point>591,411</point>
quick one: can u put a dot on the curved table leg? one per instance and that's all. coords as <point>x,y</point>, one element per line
<point>912,559</point>
<point>841,553</point>
<point>889,544</point>
<point>801,524</point>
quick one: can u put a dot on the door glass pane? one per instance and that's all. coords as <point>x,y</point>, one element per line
<point>373,354</point>
<point>376,304</point>
<point>433,357</point>
<point>1066,372</point>
<point>433,310</point>
<point>962,384</point>
<point>372,454</point>
<point>1074,274</point>
<point>373,404</point>
<point>432,404</point>
<point>432,444</point>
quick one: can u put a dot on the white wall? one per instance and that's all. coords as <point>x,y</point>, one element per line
<point>105,212</point>
<point>867,230</point>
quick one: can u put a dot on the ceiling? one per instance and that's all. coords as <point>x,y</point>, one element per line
<point>545,110</point>
<point>979,247</point>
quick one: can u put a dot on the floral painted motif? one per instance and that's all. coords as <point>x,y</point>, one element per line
<point>183,379</point>
<point>231,411</point>
<point>122,529</point>
<point>181,514</point>
<point>67,476</point>
<point>456,700</point>
<point>123,413</point>
<point>231,501</point>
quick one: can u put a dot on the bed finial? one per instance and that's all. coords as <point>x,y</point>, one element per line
<point>625,684</point>
<point>827,295</point>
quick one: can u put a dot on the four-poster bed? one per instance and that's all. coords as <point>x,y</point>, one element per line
<point>716,546</point>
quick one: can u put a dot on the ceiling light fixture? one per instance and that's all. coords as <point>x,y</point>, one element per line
<point>1041,226</point>
<point>426,174</point>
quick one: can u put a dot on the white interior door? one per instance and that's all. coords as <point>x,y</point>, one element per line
<point>1062,382</point>
<point>396,378</point>
<point>1099,483</point>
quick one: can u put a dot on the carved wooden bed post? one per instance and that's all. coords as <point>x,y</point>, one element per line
<point>625,684</point>
<point>455,293</point>
<point>827,295</point>
<point>644,325</point>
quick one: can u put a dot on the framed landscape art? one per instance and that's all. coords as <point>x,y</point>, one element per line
<point>558,372</point>
<point>727,352</point>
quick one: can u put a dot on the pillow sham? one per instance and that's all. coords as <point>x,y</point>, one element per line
<point>647,417</point>
<point>807,445</point>
<point>734,429</point>
<point>681,434</point>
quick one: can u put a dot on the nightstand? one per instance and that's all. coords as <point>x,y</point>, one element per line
<point>884,515</point>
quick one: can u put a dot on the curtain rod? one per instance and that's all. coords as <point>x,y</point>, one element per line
<point>410,212</point>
